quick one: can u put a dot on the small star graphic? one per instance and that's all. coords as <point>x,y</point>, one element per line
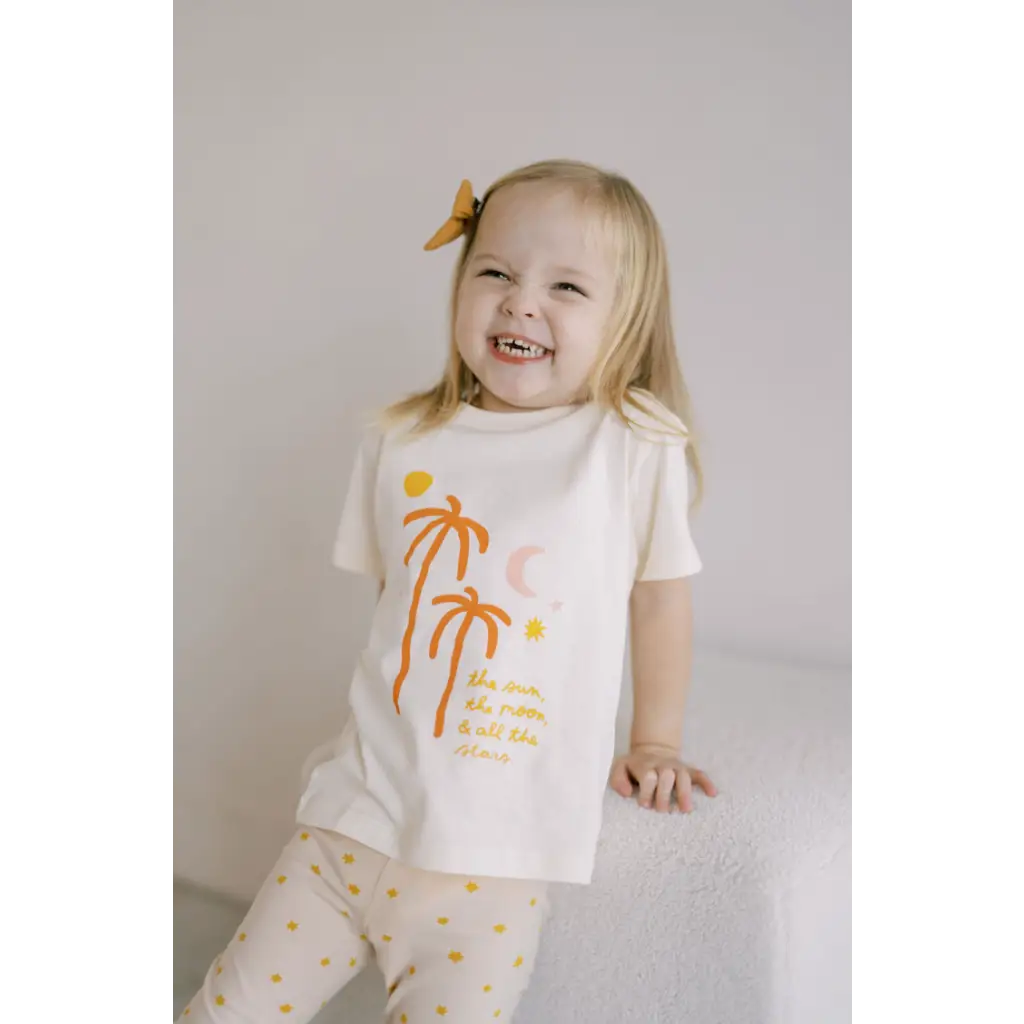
<point>220,970</point>
<point>354,889</point>
<point>535,629</point>
<point>391,988</point>
<point>519,962</point>
<point>220,1000</point>
<point>500,929</point>
<point>385,938</point>
<point>392,893</point>
<point>315,868</point>
<point>557,606</point>
<point>352,962</point>
<point>455,957</point>
<point>442,920</point>
<point>286,1008</point>
<point>442,1011</point>
<point>188,1010</point>
<point>349,859</point>
<point>345,913</point>
<point>281,879</point>
<point>472,887</point>
<point>326,962</point>
<point>412,970</point>
<point>242,937</point>
<point>276,979</point>
<point>364,938</point>
<point>304,836</point>
<point>497,1013</point>
<point>533,903</point>
<point>404,1019</point>
<point>487,988</point>
<point>292,926</point>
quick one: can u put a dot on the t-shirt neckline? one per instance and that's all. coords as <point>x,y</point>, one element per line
<point>475,418</point>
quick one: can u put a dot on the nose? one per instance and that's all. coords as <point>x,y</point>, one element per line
<point>517,304</point>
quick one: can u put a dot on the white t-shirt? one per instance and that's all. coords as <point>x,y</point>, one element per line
<point>508,544</point>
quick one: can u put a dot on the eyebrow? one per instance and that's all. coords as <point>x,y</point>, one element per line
<point>572,271</point>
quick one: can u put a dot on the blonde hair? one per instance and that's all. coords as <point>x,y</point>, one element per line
<point>639,354</point>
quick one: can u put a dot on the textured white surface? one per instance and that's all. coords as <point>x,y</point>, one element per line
<point>736,914</point>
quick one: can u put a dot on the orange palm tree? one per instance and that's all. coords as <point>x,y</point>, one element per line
<point>444,521</point>
<point>472,609</point>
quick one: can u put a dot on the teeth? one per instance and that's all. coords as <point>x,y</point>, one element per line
<point>514,347</point>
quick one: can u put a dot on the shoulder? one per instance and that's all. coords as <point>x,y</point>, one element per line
<point>650,422</point>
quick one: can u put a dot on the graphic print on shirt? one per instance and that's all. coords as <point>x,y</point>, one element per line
<point>445,522</point>
<point>516,718</point>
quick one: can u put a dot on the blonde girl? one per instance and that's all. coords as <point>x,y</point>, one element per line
<point>521,516</point>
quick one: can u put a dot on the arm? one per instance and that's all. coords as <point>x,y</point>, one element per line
<point>661,632</point>
<point>661,618</point>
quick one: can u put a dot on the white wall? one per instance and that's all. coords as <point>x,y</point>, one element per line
<point>317,146</point>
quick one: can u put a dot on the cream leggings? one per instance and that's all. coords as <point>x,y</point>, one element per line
<point>450,947</point>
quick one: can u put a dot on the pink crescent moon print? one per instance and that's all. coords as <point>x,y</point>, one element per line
<point>516,565</point>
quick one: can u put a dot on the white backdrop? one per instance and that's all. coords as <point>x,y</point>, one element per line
<point>318,145</point>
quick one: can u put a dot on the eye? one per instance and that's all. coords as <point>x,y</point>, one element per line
<point>493,273</point>
<point>566,286</point>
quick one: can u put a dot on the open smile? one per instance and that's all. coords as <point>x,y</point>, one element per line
<point>514,348</point>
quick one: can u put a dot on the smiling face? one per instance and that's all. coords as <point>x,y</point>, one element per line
<point>534,298</point>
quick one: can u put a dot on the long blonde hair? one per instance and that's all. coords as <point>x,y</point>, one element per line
<point>639,354</point>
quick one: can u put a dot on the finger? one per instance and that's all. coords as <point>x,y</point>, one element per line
<point>684,792</point>
<point>700,779</point>
<point>620,780</point>
<point>648,784</point>
<point>663,795</point>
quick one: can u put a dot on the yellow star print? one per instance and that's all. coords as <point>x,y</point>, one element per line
<point>242,937</point>
<point>354,889</point>
<point>385,938</point>
<point>220,1000</point>
<point>497,1013</point>
<point>276,979</point>
<point>455,956</point>
<point>442,1011</point>
<point>326,962</point>
<point>345,913</point>
<point>220,970</point>
<point>472,887</point>
<point>352,962</point>
<point>533,903</point>
<point>519,962</point>
<point>315,868</point>
<point>292,926</point>
<point>392,893</point>
<point>281,879</point>
<point>349,859</point>
<point>412,971</point>
<point>487,988</point>
<point>534,629</point>
<point>500,929</point>
<point>442,920</point>
<point>188,1010</point>
<point>404,1019</point>
<point>287,1008</point>
<point>304,836</point>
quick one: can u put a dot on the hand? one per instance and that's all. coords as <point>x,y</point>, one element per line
<point>658,772</point>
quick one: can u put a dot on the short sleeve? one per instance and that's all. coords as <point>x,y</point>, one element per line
<point>356,547</point>
<point>665,549</point>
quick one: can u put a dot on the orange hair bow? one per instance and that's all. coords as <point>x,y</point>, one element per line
<point>464,210</point>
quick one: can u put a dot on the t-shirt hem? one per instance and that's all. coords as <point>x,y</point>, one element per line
<point>470,861</point>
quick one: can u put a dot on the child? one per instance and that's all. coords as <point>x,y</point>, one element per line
<point>518,515</point>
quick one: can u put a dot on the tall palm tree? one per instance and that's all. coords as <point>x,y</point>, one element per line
<point>472,609</point>
<point>444,521</point>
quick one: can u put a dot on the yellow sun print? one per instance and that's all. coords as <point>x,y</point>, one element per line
<point>417,483</point>
<point>534,629</point>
